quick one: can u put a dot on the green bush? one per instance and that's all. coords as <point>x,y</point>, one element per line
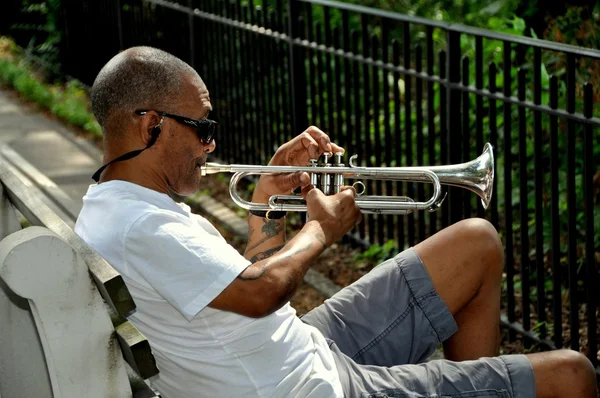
<point>70,103</point>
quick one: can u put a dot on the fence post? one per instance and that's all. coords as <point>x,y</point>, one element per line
<point>297,71</point>
<point>120,24</point>
<point>191,31</point>
<point>453,117</point>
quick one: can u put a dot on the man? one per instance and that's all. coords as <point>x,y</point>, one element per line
<point>220,324</point>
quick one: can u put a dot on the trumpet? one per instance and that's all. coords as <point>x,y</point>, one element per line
<point>476,176</point>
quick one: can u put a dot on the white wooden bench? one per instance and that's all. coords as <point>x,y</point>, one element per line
<point>63,308</point>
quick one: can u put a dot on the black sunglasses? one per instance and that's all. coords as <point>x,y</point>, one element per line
<point>205,128</point>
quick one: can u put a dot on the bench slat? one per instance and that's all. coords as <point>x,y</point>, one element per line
<point>136,350</point>
<point>8,217</point>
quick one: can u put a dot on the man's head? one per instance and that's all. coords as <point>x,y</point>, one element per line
<point>151,80</point>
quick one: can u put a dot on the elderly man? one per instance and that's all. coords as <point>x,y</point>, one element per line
<point>220,323</point>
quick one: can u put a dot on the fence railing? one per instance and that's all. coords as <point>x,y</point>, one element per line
<point>400,90</point>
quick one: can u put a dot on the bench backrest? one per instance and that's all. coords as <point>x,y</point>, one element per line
<point>63,308</point>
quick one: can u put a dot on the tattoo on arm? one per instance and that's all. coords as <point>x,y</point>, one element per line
<point>251,274</point>
<point>271,229</point>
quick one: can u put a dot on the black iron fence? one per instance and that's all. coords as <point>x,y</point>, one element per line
<point>400,90</point>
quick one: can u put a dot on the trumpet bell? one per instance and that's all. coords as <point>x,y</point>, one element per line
<point>476,175</point>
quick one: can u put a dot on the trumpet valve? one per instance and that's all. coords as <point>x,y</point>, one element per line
<point>338,179</point>
<point>314,177</point>
<point>327,178</point>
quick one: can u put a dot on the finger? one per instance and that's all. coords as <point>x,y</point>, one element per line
<point>321,138</point>
<point>335,148</point>
<point>286,182</point>
<point>348,190</point>
<point>306,191</point>
<point>359,218</point>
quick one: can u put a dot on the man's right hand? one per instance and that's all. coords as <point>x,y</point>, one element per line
<point>337,214</point>
<point>270,282</point>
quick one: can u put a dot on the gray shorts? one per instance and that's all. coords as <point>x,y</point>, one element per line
<point>383,328</point>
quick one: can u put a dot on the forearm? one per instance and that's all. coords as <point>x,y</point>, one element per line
<point>282,268</point>
<point>265,237</point>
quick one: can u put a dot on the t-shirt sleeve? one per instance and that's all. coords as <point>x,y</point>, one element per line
<point>185,264</point>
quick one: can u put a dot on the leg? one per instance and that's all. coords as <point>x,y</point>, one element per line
<point>563,373</point>
<point>556,374</point>
<point>390,316</point>
<point>465,262</point>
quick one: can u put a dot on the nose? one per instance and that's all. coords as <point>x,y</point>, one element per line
<point>208,148</point>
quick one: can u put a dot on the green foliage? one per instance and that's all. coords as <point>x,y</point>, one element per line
<point>39,21</point>
<point>70,103</point>
<point>375,254</point>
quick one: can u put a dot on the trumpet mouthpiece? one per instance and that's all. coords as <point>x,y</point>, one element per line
<point>214,168</point>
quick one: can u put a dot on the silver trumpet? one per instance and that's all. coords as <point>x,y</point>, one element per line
<point>476,175</point>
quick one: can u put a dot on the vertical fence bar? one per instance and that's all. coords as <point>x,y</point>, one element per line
<point>356,117</point>
<point>261,69</point>
<point>410,191</point>
<point>419,123</point>
<point>523,192</point>
<point>120,24</point>
<point>493,125</point>
<point>479,105</point>
<point>377,220</point>
<point>329,72</point>
<point>431,119</point>
<point>338,89</point>
<point>247,81</point>
<point>445,218</point>
<point>572,206</point>
<point>398,137</point>
<point>348,77</point>
<point>453,112</point>
<point>273,88</point>
<point>466,129</point>
<point>589,170</point>
<point>508,188</point>
<point>191,35</point>
<point>320,78</point>
<point>367,102</point>
<point>390,229</point>
<point>555,228</point>
<point>538,181</point>
<point>280,15</point>
<point>224,94</point>
<point>297,72</point>
<point>311,67</point>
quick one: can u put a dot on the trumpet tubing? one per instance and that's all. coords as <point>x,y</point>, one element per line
<point>476,175</point>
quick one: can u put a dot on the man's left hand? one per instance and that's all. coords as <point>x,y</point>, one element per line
<point>310,144</point>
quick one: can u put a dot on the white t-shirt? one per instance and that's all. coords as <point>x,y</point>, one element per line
<point>175,263</point>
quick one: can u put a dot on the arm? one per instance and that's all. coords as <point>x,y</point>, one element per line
<point>268,283</point>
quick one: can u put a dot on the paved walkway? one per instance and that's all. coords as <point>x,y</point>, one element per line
<point>49,158</point>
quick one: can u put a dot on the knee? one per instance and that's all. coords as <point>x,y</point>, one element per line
<point>485,243</point>
<point>578,370</point>
<point>574,362</point>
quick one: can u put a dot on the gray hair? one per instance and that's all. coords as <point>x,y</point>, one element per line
<point>137,78</point>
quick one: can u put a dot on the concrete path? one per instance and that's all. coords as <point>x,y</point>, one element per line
<point>48,157</point>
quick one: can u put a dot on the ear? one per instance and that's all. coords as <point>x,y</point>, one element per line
<point>149,125</point>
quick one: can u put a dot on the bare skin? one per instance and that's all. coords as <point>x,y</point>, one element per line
<point>465,262</point>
